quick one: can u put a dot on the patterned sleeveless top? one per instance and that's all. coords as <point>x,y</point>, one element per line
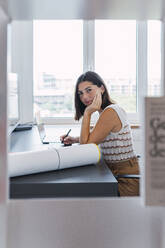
<point>118,146</point>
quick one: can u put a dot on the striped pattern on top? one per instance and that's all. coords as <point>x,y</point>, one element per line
<point>118,146</point>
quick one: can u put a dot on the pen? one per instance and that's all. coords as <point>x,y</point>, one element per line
<point>67,134</point>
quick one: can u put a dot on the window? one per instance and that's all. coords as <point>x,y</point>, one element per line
<point>115,59</point>
<point>154,58</point>
<point>58,60</point>
<point>64,49</point>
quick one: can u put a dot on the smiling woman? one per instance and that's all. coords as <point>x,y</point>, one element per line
<point>112,131</point>
<point>90,82</point>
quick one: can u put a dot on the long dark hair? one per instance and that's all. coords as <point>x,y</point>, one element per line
<point>95,79</point>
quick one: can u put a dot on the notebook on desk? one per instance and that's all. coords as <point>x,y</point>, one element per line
<point>45,138</point>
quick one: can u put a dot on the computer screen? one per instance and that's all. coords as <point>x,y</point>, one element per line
<point>13,102</point>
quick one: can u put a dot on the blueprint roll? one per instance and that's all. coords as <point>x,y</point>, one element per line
<point>78,155</point>
<point>30,162</point>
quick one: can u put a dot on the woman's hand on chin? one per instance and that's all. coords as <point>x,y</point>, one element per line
<point>96,104</point>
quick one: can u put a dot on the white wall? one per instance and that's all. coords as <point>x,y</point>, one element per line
<point>85,223</point>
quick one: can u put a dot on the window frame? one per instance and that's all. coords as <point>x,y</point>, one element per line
<point>26,105</point>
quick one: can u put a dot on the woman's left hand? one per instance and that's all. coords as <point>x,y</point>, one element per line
<point>96,104</point>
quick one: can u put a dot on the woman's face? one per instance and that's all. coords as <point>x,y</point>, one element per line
<point>86,92</point>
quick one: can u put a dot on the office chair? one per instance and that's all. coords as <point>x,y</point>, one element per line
<point>134,176</point>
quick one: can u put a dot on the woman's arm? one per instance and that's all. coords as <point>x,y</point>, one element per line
<point>107,122</point>
<point>76,139</point>
<point>85,128</point>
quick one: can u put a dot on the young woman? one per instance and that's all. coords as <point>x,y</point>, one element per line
<point>112,131</point>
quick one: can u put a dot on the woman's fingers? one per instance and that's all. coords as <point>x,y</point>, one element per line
<point>63,138</point>
<point>67,140</point>
<point>98,99</point>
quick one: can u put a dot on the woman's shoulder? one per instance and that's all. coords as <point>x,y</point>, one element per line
<point>120,112</point>
<point>111,111</point>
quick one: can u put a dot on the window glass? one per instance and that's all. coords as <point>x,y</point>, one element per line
<point>58,61</point>
<point>115,59</point>
<point>154,58</point>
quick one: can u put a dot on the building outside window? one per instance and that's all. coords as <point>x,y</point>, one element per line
<point>58,60</point>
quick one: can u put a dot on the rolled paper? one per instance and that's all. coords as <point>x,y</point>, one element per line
<point>78,155</point>
<point>30,162</point>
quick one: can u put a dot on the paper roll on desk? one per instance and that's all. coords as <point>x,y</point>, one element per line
<point>30,162</point>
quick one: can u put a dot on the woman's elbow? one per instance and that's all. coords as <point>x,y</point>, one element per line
<point>88,142</point>
<point>82,142</point>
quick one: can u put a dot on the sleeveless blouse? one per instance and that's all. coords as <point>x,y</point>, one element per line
<point>118,146</point>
